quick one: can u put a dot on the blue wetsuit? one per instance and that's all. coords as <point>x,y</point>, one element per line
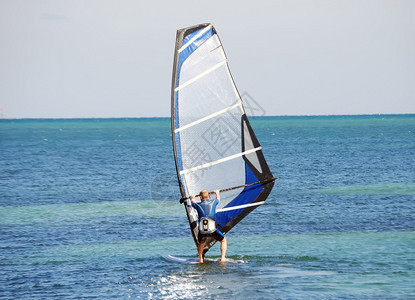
<point>207,208</point>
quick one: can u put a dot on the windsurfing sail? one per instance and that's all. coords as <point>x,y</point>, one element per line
<point>213,142</point>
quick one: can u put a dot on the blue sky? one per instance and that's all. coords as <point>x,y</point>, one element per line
<point>97,58</point>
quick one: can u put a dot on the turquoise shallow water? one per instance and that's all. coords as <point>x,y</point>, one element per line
<point>87,208</point>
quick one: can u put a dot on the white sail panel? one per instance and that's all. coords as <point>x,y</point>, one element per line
<point>203,58</point>
<point>215,89</point>
<point>212,139</point>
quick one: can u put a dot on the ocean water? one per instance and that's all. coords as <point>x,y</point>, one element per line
<point>87,208</point>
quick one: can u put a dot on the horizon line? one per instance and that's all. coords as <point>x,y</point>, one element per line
<point>273,116</point>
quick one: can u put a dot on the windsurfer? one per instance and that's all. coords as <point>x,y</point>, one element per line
<point>207,211</point>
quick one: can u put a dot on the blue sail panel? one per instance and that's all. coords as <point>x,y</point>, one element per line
<point>249,175</point>
<point>246,197</point>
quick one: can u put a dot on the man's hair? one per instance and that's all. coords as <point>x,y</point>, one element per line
<point>204,194</point>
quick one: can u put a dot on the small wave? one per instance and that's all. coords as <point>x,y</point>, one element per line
<point>404,188</point>
<point>19,215</point>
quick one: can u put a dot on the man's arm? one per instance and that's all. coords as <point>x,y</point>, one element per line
<point>217,194</point>
<point>192,199</point>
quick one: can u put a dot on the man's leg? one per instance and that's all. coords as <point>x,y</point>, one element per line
<point>223,248</point>
<point>200,250</point>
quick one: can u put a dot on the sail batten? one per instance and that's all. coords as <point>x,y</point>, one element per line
<point>239,104</point>
<point>222,160</point>
<point>214,144</point>
<point>240,206</point>
<point>200,75</point>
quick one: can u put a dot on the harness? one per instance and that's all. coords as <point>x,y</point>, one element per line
<point>207,225</point>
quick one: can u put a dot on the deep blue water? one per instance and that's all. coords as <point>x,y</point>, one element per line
<point>87,207</point>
